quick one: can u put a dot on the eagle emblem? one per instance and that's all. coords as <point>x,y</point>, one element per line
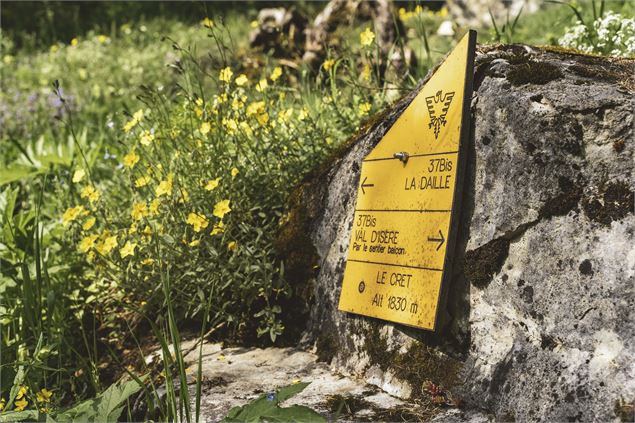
<point>438,106</point>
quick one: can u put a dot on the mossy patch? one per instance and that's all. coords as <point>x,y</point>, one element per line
<point>421,364</point>
<point>326,346</point>
<point>533,72</point>
<point>481,264</point>
<point>357,408</point>
<point>614,202</point>
<point>376,346</point>
<point>564,202</point>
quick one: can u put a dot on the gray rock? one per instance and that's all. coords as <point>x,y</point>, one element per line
<point>539,322</point>
<point>476,13</point>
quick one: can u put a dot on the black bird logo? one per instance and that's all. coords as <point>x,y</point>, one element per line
<point>438,106</point>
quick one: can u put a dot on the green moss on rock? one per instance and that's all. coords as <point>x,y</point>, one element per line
<point>533,72</point>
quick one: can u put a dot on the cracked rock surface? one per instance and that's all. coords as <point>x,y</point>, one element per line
<point>539,323</point>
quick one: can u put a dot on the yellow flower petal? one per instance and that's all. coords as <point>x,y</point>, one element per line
<point>127,249</point>
<point>241,80</point>
<point>221,208</point>
<point>78,175</point>
<point>212,184</point>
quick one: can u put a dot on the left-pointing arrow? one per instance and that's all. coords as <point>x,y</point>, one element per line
<point>365,185</point>
<point>440,240</point>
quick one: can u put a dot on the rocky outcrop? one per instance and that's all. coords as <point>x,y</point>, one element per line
<point>539,322</point>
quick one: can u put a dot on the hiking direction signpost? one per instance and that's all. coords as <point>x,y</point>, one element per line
<point>408,202</point>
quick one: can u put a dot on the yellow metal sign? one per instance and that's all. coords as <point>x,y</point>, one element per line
<point>407,202</point>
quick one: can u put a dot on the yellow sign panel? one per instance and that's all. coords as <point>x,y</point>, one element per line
<point>407,202</point>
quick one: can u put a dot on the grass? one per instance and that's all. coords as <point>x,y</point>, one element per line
<point>140,196</point>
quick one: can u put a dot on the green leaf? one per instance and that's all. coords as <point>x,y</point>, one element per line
<point>17,416</point>
<point>291,390</point>
<point>105,407</point>
<point>262,407</point>
<point>18,172</point>
<point>295,413</point>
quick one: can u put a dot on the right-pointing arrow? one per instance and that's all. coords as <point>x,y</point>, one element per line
<point>365,185</point>
<point>440,240</point>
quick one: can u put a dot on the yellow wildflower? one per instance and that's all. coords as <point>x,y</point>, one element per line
<point>185,196</point>
<point>147,231</point>
<point>218,228</point>
<point>241,80</point>
<point>106,245</point>
<point>366,37</point>
<point>54,48</point>
<point>255,108</point>
<point>142,181</point>
<point>364,108</point>
<point>234,172</point>
<point>74,42</point>
<point>130,159</point>
<point>366,72</point>
<point>225,75</point>
<point>78,175</point>
<point>136,118</point>
<point>277,73</point>
<point>71,214</point>
<point>133,228</point>
<point>91,193</point>
<point>253,24</point>
<point>443,12</point>
<point>21,404</point>
<point>328,64</point>
<point>205,128</point>
<point>207,23</point>
<point>146,138</point>
<point>139,211</point>
<point>198,221</point>
<point>2,404</point>
<point>285,115</point>
<point>230,125</point>
<point>221,208</point>
<point>212,184</point>
<point>154,207</point>
<point>89,223</point>
<point>21,392</point>
<point>262,85</point>
<point>246,129</point>
<point>87,243</point>
<point>44,395</point>
<point>238,103</point>
<point>263,118</point>
<point>102,39</point>
<point>303,114</point>
<point>128,249</point>
<point>194,243</point>
<point>232,246</point>
<point>147,262</point>
<point>165,187</point>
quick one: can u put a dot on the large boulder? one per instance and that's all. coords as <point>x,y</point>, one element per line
<point>539,322</point>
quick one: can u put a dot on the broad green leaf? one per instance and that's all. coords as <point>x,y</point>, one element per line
<point>291,390</point>
<point>105,407</point>
<point>17,416</point>
<point>295,413</point>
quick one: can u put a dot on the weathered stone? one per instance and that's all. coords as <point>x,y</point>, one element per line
<point>539,321</point>
<point>479,13</point>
